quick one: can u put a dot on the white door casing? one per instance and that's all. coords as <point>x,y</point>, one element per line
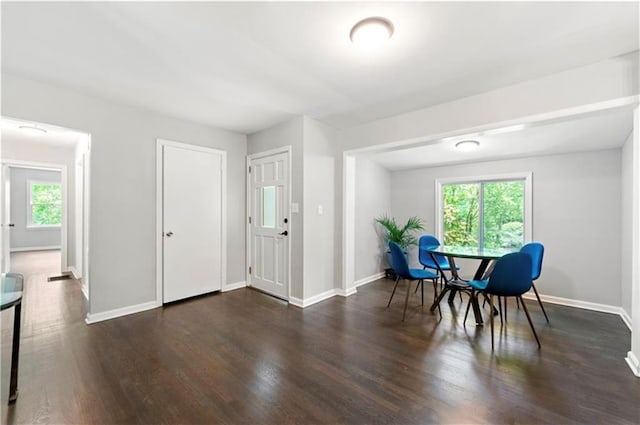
<point>269,222</point>
<point>6,234</point>
<point>192,220</point>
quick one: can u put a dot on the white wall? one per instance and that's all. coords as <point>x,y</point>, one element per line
<point>22,237</point>
<point>289,133</point>
<point>122,217</point>
<point>36,151</point>
<point>311,234</point>
<point>319,183</point>
<point>576,211</point>
<point>626,222</point>
<point>373,199</point>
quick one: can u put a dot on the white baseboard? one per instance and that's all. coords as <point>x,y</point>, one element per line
<point>633,363</point>
<point>368,279</point>
<point>298,302</point>
<point>232,286</point>
<point>586,305</point>
<point>626,318</point>
<point>85,291</point>
<point>35,248</point>
<point>302,303</point>
<point>74,272</point>
<point>118,312</point>
<point>347,292</point>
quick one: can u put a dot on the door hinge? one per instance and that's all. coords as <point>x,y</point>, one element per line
<point>249,169</point>
<point>249,269</point>
<point>249,219</point>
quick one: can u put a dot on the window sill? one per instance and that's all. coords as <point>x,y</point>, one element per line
<point>52,227</point>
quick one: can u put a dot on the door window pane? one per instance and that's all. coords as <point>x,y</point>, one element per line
<point>269,206</point>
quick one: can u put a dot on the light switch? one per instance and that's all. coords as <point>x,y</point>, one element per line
<point>294,207</point>
<point>320,210</point>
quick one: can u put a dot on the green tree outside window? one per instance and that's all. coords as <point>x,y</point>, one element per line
<point>487,214</point>
<point>46,204</point>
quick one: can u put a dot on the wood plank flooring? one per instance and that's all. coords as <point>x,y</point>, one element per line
<point>245,358</point>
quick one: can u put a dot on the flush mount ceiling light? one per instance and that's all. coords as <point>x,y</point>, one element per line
<point>467,145</point>
<point>371,33</point>
<point>32,129</point>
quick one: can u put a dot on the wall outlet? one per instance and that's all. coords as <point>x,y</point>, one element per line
<point>295,208</point>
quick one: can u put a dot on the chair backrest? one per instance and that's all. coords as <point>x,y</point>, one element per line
<point>511,275</point>
<point>536,251</point>
<point>399,261</point>
<point>423,255</point>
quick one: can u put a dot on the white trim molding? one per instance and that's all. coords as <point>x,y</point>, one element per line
<point>633,363</point>
<point>233,286</point>
<point>302,303</point>
<point>119,312</point>
<point>74,272</point>
<point>346,292</point>
<point>348,224</point>
<point>585,305</point>
<point>36,248</point>
<point>368,279</point>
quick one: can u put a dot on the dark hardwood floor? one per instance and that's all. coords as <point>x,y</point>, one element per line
<point>246,358</point>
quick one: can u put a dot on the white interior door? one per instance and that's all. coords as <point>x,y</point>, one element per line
<point>192,221</point>
<point>269,228</point>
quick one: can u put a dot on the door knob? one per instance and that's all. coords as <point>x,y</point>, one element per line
<point>285,233</point>
<point>169,234</point>
<point>11,225</point>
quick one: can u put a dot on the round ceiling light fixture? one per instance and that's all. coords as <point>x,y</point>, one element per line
<point>371,33</point>
<point>32,129</point>
<point>468,145</point>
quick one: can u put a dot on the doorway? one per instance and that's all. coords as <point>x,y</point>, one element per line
<point>46,227</point>
<point>268,201</point>
<point>191,220</point>
<point>36,210</point>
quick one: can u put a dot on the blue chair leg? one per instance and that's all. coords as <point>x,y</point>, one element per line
<point>435,295</point>
<point>406,300</point>
<point>524,307</point>
<point>394,291</point>
<point>466,313</point>
<point>491,309</point>
<point>539,301</point>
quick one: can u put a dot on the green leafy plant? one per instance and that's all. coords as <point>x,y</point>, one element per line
<point>403,236</point>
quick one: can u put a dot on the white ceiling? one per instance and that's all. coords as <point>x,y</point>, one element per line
<point>55,136</point>
<point>603,130</point>
<point>246,66</point>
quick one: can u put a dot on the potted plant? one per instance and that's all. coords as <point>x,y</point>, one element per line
<point>403,236</point>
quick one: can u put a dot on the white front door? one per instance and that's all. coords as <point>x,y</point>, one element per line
<point>192,221</point>
<point>269,228</point>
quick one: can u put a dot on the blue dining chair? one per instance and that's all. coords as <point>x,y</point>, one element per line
<point>401,268</point>
<point>536,251</point>
<point>426,259</point>
<point>511,277</point>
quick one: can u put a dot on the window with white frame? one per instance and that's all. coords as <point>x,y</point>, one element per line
<point>45,204</point>
<point>489,211</point>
